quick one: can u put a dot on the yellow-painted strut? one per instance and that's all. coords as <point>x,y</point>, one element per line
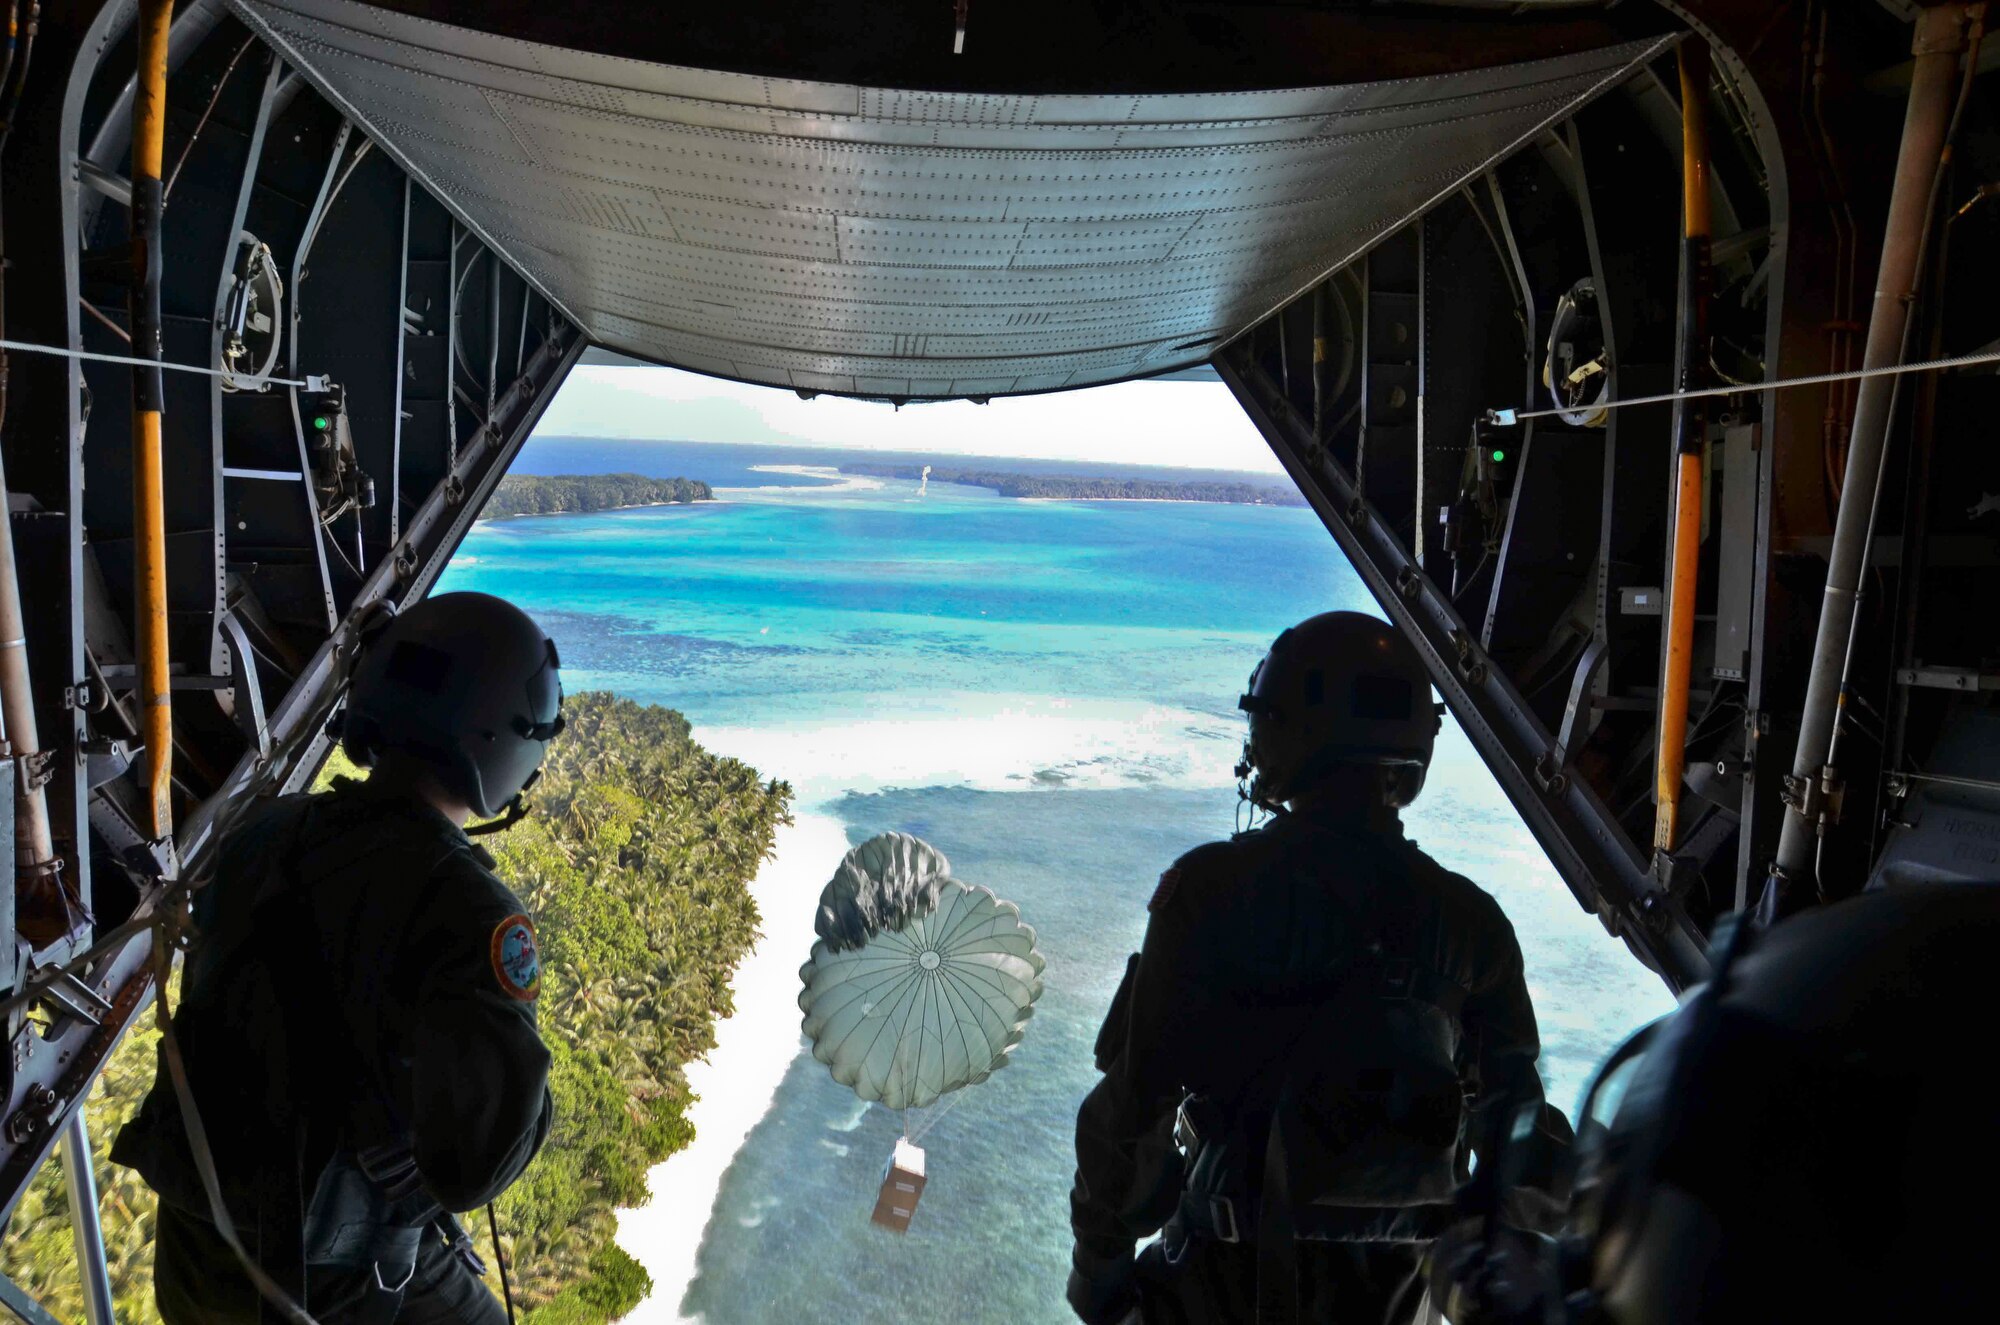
<point>1690,427</point>
<point>149,519</point>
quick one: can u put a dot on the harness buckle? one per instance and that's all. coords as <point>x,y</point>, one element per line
<point>1222,1219</point>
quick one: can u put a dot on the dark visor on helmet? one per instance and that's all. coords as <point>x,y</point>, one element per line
<point>545,720</point>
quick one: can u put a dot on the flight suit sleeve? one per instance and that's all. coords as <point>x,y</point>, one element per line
<point>480,1105</point>
<point>1128,1174</point>
<point>1504,1043</point>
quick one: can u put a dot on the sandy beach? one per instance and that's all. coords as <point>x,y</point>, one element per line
<point>735,1083</point>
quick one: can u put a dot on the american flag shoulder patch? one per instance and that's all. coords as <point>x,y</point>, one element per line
<point>1163,894</point>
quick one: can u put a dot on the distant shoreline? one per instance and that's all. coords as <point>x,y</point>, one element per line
<point>594,510</point>
<point>584,494</point>
<point>1027,486</point>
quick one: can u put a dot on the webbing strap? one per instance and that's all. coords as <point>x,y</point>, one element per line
<point>198,1147</point>
<point>197,1134</point>
<point>1277,1247</point>
<point>1218,1217</point>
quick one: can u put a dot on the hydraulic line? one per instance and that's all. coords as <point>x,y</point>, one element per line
<point>17,62</point>
<point>13,41</point>
<point>1848,704</point>
<point>1690,434</point>
<point>149,543</point>
<point>36,865</point>
<point>202,123</point>
<point>35,853</point>
<point>1940,41</point>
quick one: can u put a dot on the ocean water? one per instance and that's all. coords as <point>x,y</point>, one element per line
<point>739,465</point>
<point>1046,691</point>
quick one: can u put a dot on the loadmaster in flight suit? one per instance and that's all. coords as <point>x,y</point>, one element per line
<point>1321,1024</point>
<point>1787,1145</point>
<point>357,1013</point>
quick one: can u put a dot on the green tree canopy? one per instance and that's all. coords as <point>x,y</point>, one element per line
<point>637,865</point>
<point>556,494</point>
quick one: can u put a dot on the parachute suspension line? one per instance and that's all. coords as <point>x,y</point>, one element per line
<point>932,1117</point>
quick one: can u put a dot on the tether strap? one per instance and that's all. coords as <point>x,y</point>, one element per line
<point>1277,1248</point>
<point>197,1135</point>
<point>1354,1225</point>
<point>500,1259</point>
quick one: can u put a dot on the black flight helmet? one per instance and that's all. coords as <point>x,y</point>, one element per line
<point>1805,1139</point>
<point>1338,688</point>
<point>468,684</point>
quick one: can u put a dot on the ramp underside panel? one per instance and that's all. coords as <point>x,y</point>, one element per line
<point>828,237</point>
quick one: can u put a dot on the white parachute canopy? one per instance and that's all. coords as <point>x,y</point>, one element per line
<point>919,984</point>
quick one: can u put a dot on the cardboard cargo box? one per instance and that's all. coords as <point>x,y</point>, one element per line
<point>902,1185</point>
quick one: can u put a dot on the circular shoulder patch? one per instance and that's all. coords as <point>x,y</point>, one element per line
<point>517,962</point>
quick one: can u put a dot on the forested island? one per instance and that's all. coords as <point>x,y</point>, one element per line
<point>558,494</point>
<point>1093,489</point>
<point>637,864</point>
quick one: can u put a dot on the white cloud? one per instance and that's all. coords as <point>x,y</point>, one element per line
<point>1187,424</point>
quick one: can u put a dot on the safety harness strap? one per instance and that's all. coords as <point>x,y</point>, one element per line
<point>204,1157</point>
<point>1277,1250</point>
<point>1227,1220</point>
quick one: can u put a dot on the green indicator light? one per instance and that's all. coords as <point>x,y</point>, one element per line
<point>321,422</point>
<point>1498,456</point>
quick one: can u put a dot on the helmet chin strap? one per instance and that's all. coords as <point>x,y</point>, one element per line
<point>510,814</point>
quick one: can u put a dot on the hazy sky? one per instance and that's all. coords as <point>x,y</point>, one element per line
<point>1194,424</point>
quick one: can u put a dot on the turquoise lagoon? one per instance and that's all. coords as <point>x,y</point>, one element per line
<point>1044,689</point>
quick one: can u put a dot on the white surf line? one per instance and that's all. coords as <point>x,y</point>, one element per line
<point>993,743</point>
<point>739,1079</point>
<point>831,479</point>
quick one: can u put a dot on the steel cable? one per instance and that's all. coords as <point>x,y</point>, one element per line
<point>1508,417</point>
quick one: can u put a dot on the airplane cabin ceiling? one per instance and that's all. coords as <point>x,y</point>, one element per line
<point>908,244</point>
